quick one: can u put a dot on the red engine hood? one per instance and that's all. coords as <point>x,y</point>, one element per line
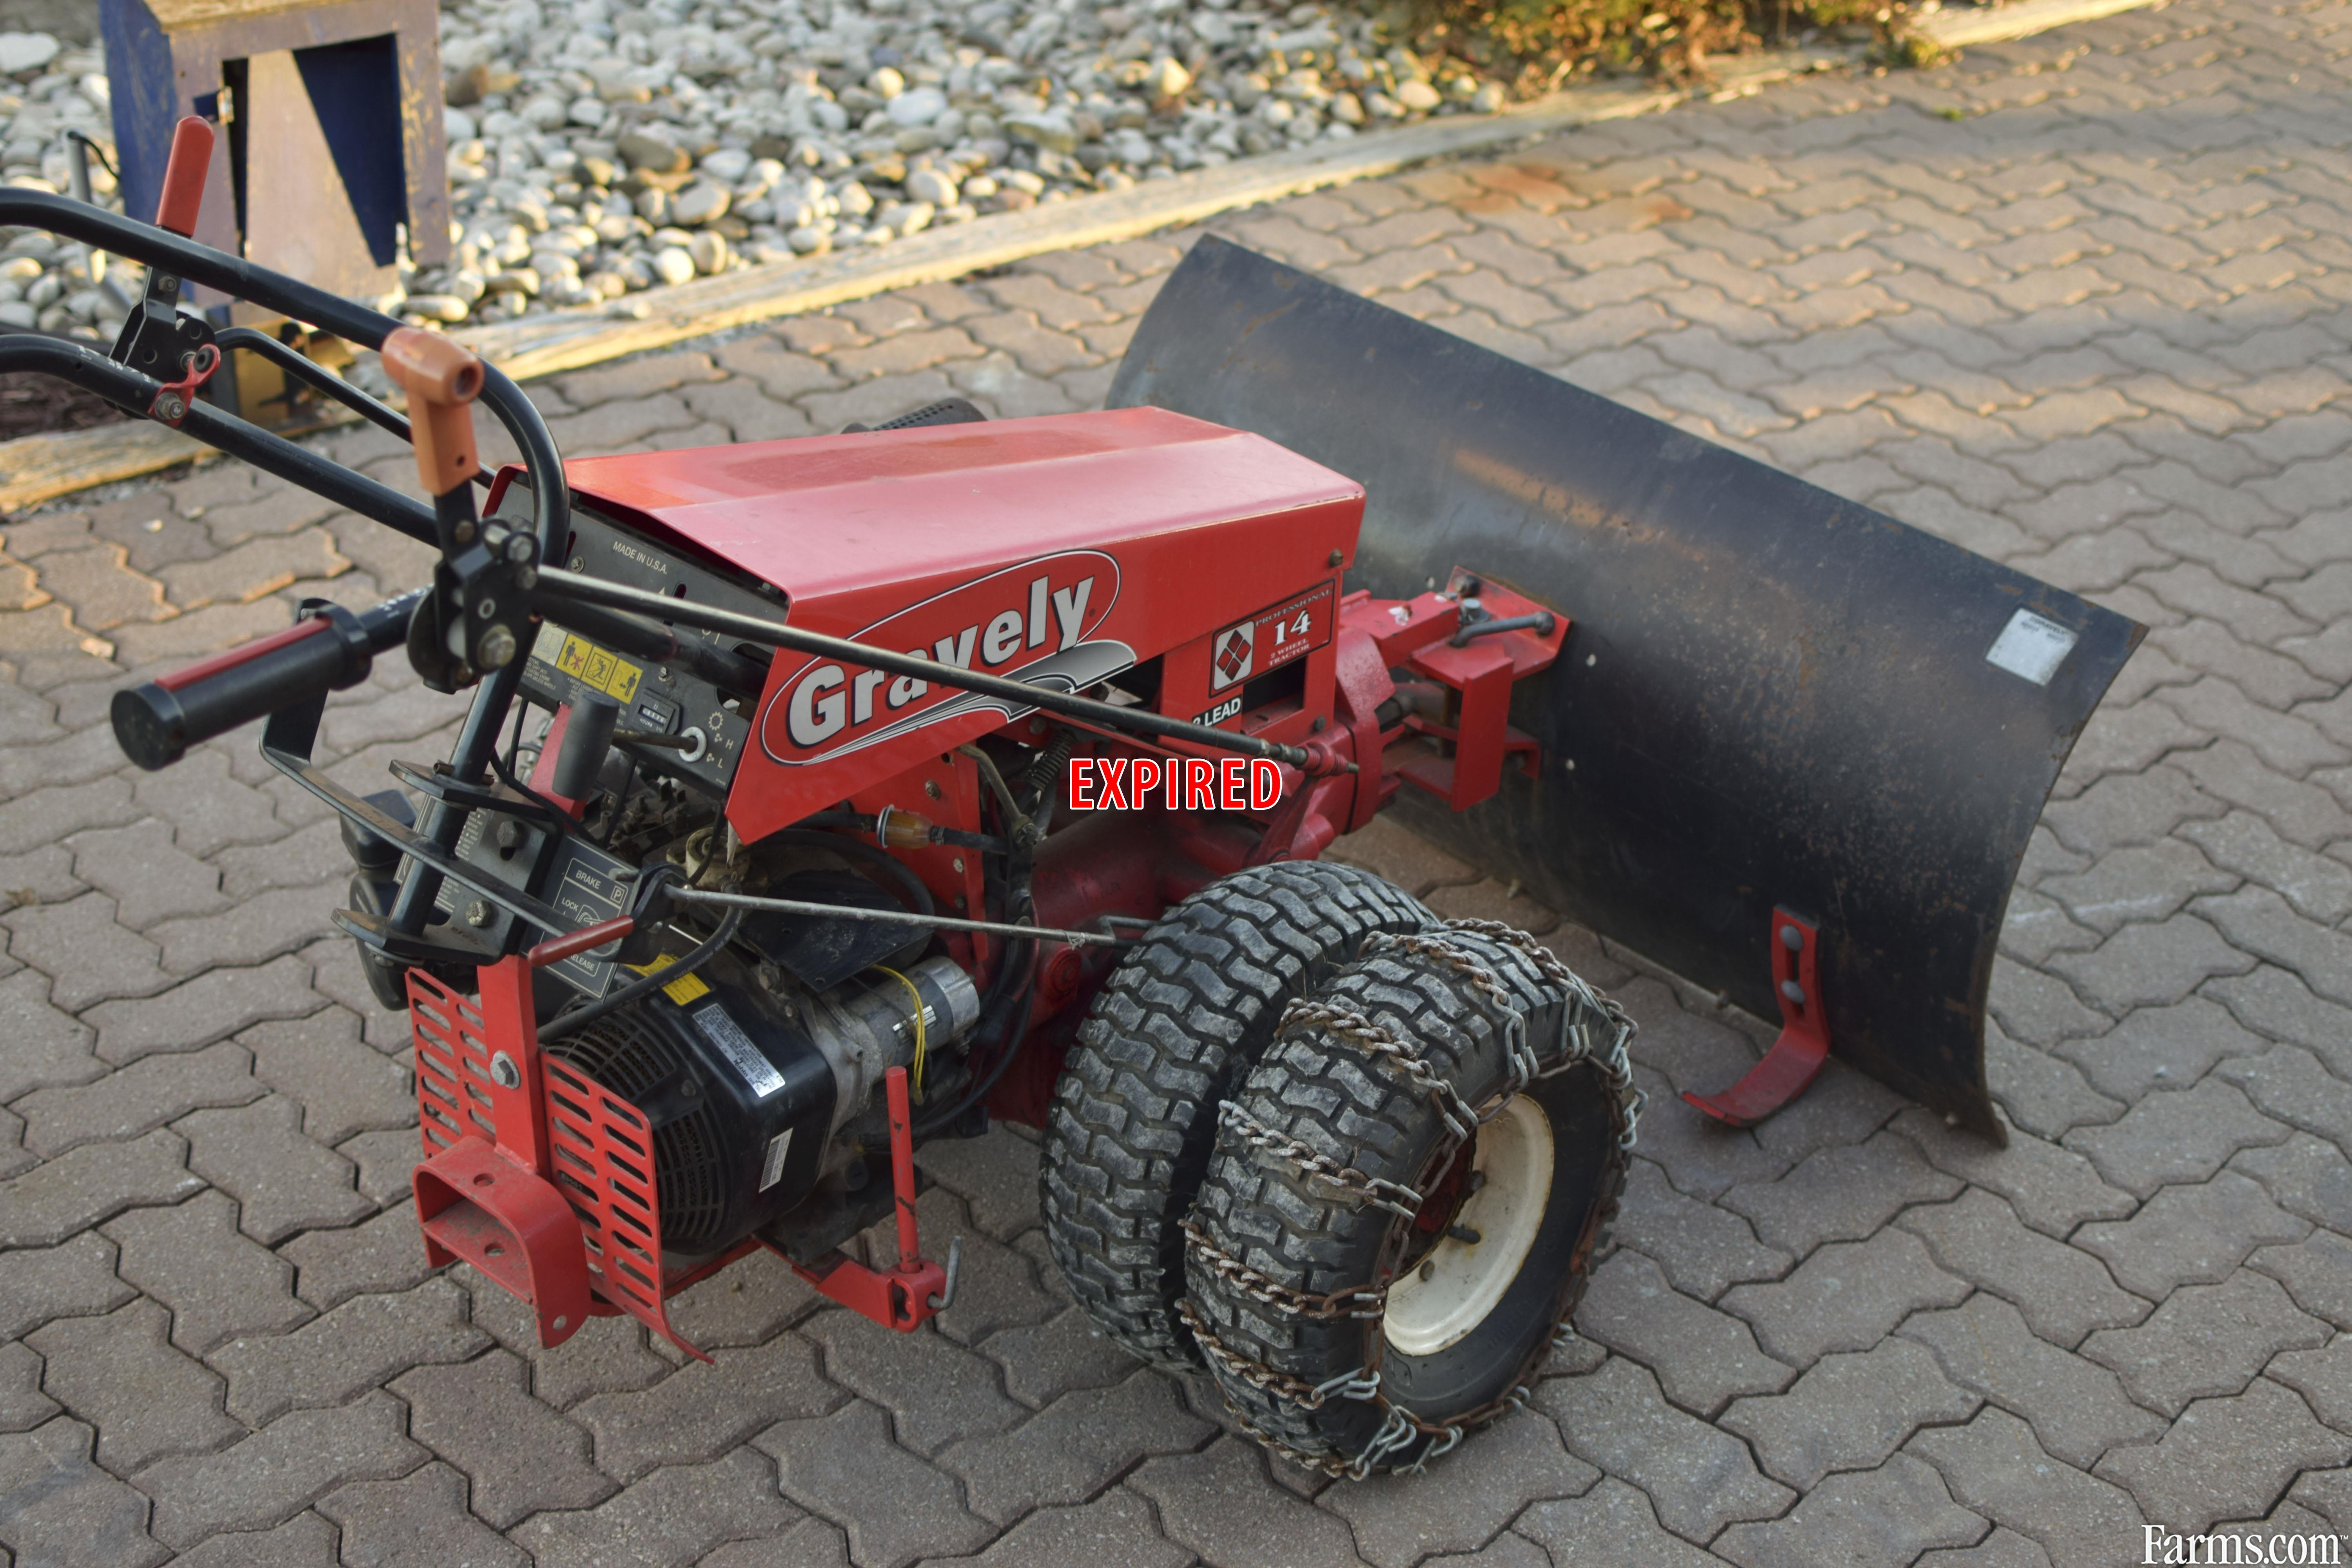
<point>1057,550</point>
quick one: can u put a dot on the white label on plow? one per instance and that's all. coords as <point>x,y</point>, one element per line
<point>2031,647</point>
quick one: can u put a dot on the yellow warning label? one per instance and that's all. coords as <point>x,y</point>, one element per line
<point>684,989</point>
<point>605,672</point>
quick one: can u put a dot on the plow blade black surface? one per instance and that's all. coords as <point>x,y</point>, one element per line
<point>1770,696</point>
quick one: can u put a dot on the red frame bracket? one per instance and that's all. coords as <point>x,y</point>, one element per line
<point>907,1296</point>
<point>1804,1043</point>
<point>473,1203</point>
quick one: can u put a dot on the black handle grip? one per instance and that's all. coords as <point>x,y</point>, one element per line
<point>329,650</point>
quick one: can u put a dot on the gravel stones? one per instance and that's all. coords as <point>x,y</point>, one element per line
<point>601,147</point>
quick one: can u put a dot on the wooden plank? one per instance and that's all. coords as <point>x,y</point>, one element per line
<point>37,468</point>
<point>1959,28</point>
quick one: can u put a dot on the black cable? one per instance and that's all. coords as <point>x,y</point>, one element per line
<point>808,838</point>
<point>563,1024</point>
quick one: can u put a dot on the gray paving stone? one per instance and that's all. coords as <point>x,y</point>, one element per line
<point>1115,1530</point>
<point>2316,1272</point>
<point>606,1355</point>
<point>2063,1294</point>
<point>2277,1002</point>
<point>210,1007</point>
<point>2151,966</point>
<point>1071,1449</point>
<point>87,955</point>
<point>521,1455</point>
<point>996,1175</point>
<point>1699,1479</point>
<point>1886,1515</point>
<point>137,1099</point>
<point>1221,1503</point>
<point>937,1391</point>
<point>45,1045</point>
<point>2323,1378</point>
<point>2050,1187</point>
<point>748,1302</point>
<point>2289,1084</point>
<point>2189,1235</point>
<point>357,1346</point>
<point>1848,1412</point>
<point>280,1470</point>
<point>306,1541</point>
<point>1840,1194</point>
<point>2227,1459</point>
<point>2160,1047</point>
<point>2144,883</point>
<point>74,1279</point>
<point>23,1406</point>
<point>1001,1287</point>
<point>54,1199</point>
<point>1041,1362</point>
<point>148,877</point>
<point>384,1253</point>
<point>120,1374</point>
<point>673,1515</point>
<point>217,1283</point>
<point>2003,1548</point>
<point>2306,1176</point>
<point>706,1408</point>
<point>418,1519</point>
<point>1613,1523</point>
<point>1847,1297</point>
<point>2317,886</point>
<point>1400,1519</point>
<point>1702,1358</point>
<point>344,1086</point>
<point>283,1183</point>
<point>835,1465</point>
<point>2178,1136</point>
<point>1994,1467</point>
<point>58,1508</point>
<point>385,1161</point>
<point>1703,1250</point>
<point>2208,1339</point>
<point>812,1543</point>
<point>2078,1410</point>
<point>2259,921</point>
<point>2038,1092</point>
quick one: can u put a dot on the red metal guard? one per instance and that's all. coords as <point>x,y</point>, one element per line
<point>1804,1042</point>
<point>905,1297</point>
<point>477,1196</point>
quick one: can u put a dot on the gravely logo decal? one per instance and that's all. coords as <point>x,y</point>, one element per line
<point>1031,622</point>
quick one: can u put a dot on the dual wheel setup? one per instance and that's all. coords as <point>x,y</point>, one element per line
<point>1351,1158</point>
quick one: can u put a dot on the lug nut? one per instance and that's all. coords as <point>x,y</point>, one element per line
<point>496,648</point>
<point>478,914</point>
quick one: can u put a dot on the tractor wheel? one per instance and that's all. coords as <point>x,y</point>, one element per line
<point>1173,1030</point>
<point>1368,1283</point>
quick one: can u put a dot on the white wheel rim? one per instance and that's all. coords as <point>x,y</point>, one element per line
<point>1451,1291</point>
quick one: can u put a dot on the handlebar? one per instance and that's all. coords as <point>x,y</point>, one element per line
<point>329,650</point>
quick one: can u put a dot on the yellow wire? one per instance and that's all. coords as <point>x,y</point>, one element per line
<point>918,998</point>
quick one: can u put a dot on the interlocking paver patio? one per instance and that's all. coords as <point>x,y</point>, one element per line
<point>2084,303</point>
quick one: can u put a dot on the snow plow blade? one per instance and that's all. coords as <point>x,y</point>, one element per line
<point>1771,700</point>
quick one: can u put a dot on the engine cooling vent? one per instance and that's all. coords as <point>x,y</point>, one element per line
<point>633,1053</point>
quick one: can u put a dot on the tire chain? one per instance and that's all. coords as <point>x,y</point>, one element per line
<point>1600,1037</point>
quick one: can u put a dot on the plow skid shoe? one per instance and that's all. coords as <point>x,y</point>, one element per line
<point>1771,698</point>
